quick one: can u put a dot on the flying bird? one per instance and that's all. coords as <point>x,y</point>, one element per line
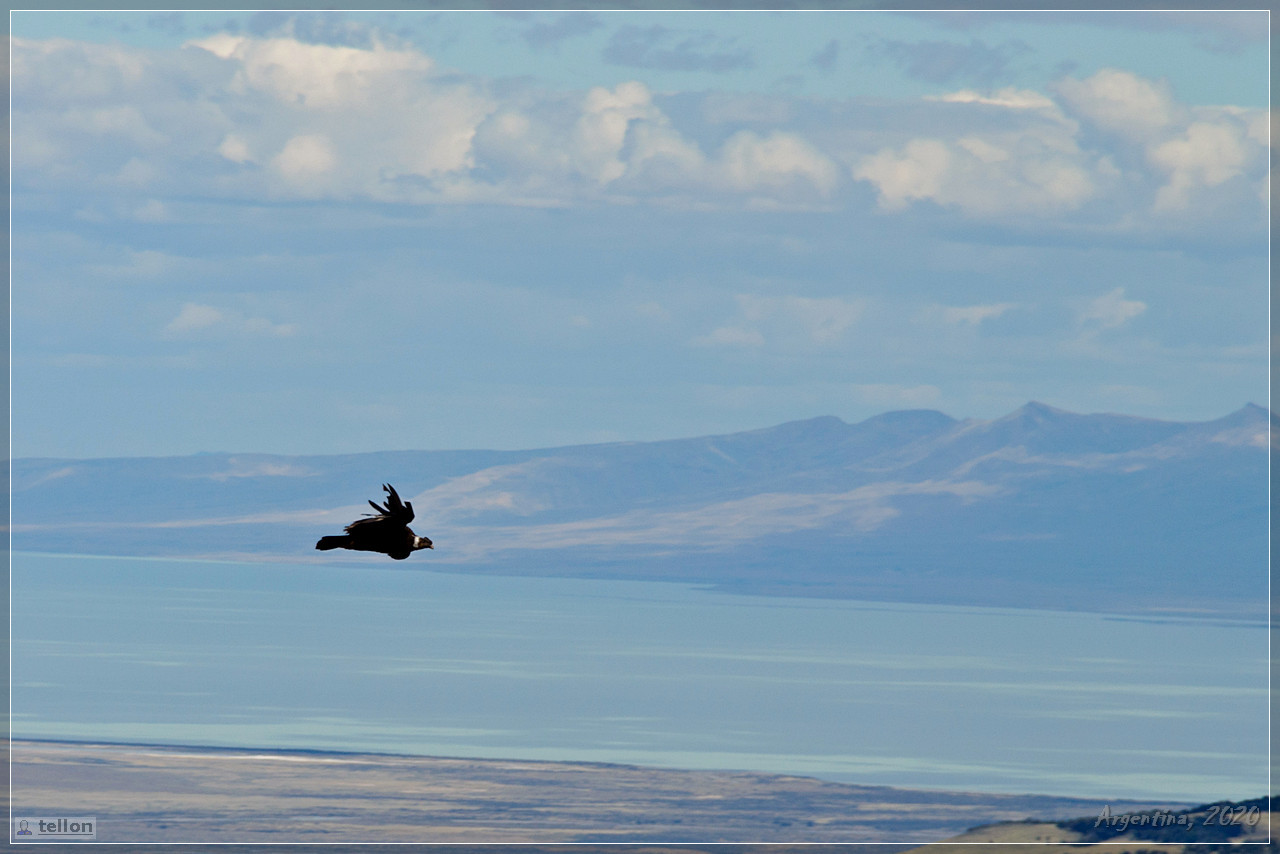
<point>387,532</point>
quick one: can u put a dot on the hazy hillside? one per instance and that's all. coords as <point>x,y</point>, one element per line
<point>1039,508</point>
<point>1217,828</point>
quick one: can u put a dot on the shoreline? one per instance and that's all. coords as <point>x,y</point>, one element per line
<point>146,793</point>
<point>1225,615</point>
<point>197,749</point>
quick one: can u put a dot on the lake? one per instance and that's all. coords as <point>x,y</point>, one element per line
<point>408,661</point>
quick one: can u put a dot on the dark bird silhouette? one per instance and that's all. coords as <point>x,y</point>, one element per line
<point>387,532</point>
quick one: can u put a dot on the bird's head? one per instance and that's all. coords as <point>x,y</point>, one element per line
<point>422,543</point>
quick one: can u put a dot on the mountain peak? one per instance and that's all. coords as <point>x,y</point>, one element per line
<point>1038,410</point>
<point>1252,411</point>
<point>1249,425</point>
<point>904,425</point>
<point>822,425</point>
<point>1041,428</point>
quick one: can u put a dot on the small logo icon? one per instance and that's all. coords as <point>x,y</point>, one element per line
<point>23,829</point>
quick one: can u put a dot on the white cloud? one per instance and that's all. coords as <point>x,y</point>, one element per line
<point>1018,99</point>
<point>1121,102</point>
<point>248,118</point>
<point>137,172</point>
<point>984,150</point>
<point>624,145</point>
<point>1205,156</point>
<point>262,326</point>
<point>152,210</point>
<point>731,336</point>
<point>197,319</point>
<point>345,121</point>
<point>79,72</point>
<point>661,157</point>
<point>194,316</point>
<point>1040,174</point>
<point>314,75</point>
<point>1112,310</point>
<point>144,264</point>
<point>1026,160</point>
<point>914,172</point>
<point>235,149</point>
<point>974,314</point>
<point>601,130</point>
<point>379,123</point>
<point>120,121</point>
<point>1190,149</point>
<point>787,320</point>
<point>305,158</point>
<point>548,148</point>
<point>751,162</point>
<point>1034,155</point>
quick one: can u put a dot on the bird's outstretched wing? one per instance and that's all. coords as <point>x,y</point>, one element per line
<point>400,511</point>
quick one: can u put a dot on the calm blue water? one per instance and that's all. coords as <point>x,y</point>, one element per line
<point>272,655</point>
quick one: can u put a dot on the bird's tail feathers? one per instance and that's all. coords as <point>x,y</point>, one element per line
<point>327,543</point>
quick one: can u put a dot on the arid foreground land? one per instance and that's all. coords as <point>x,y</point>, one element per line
<point>144,793</point>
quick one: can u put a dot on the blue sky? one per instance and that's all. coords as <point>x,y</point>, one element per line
<point>339,232</point>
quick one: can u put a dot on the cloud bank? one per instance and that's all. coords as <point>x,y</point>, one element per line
<point>271,117</point>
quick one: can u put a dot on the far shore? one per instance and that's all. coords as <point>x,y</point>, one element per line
<point>148,793</point>
<point>1203,610</point>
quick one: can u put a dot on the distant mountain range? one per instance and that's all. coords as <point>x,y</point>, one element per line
<point>1040,508</point>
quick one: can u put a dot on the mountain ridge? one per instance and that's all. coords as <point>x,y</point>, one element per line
<point>1041,507</point>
